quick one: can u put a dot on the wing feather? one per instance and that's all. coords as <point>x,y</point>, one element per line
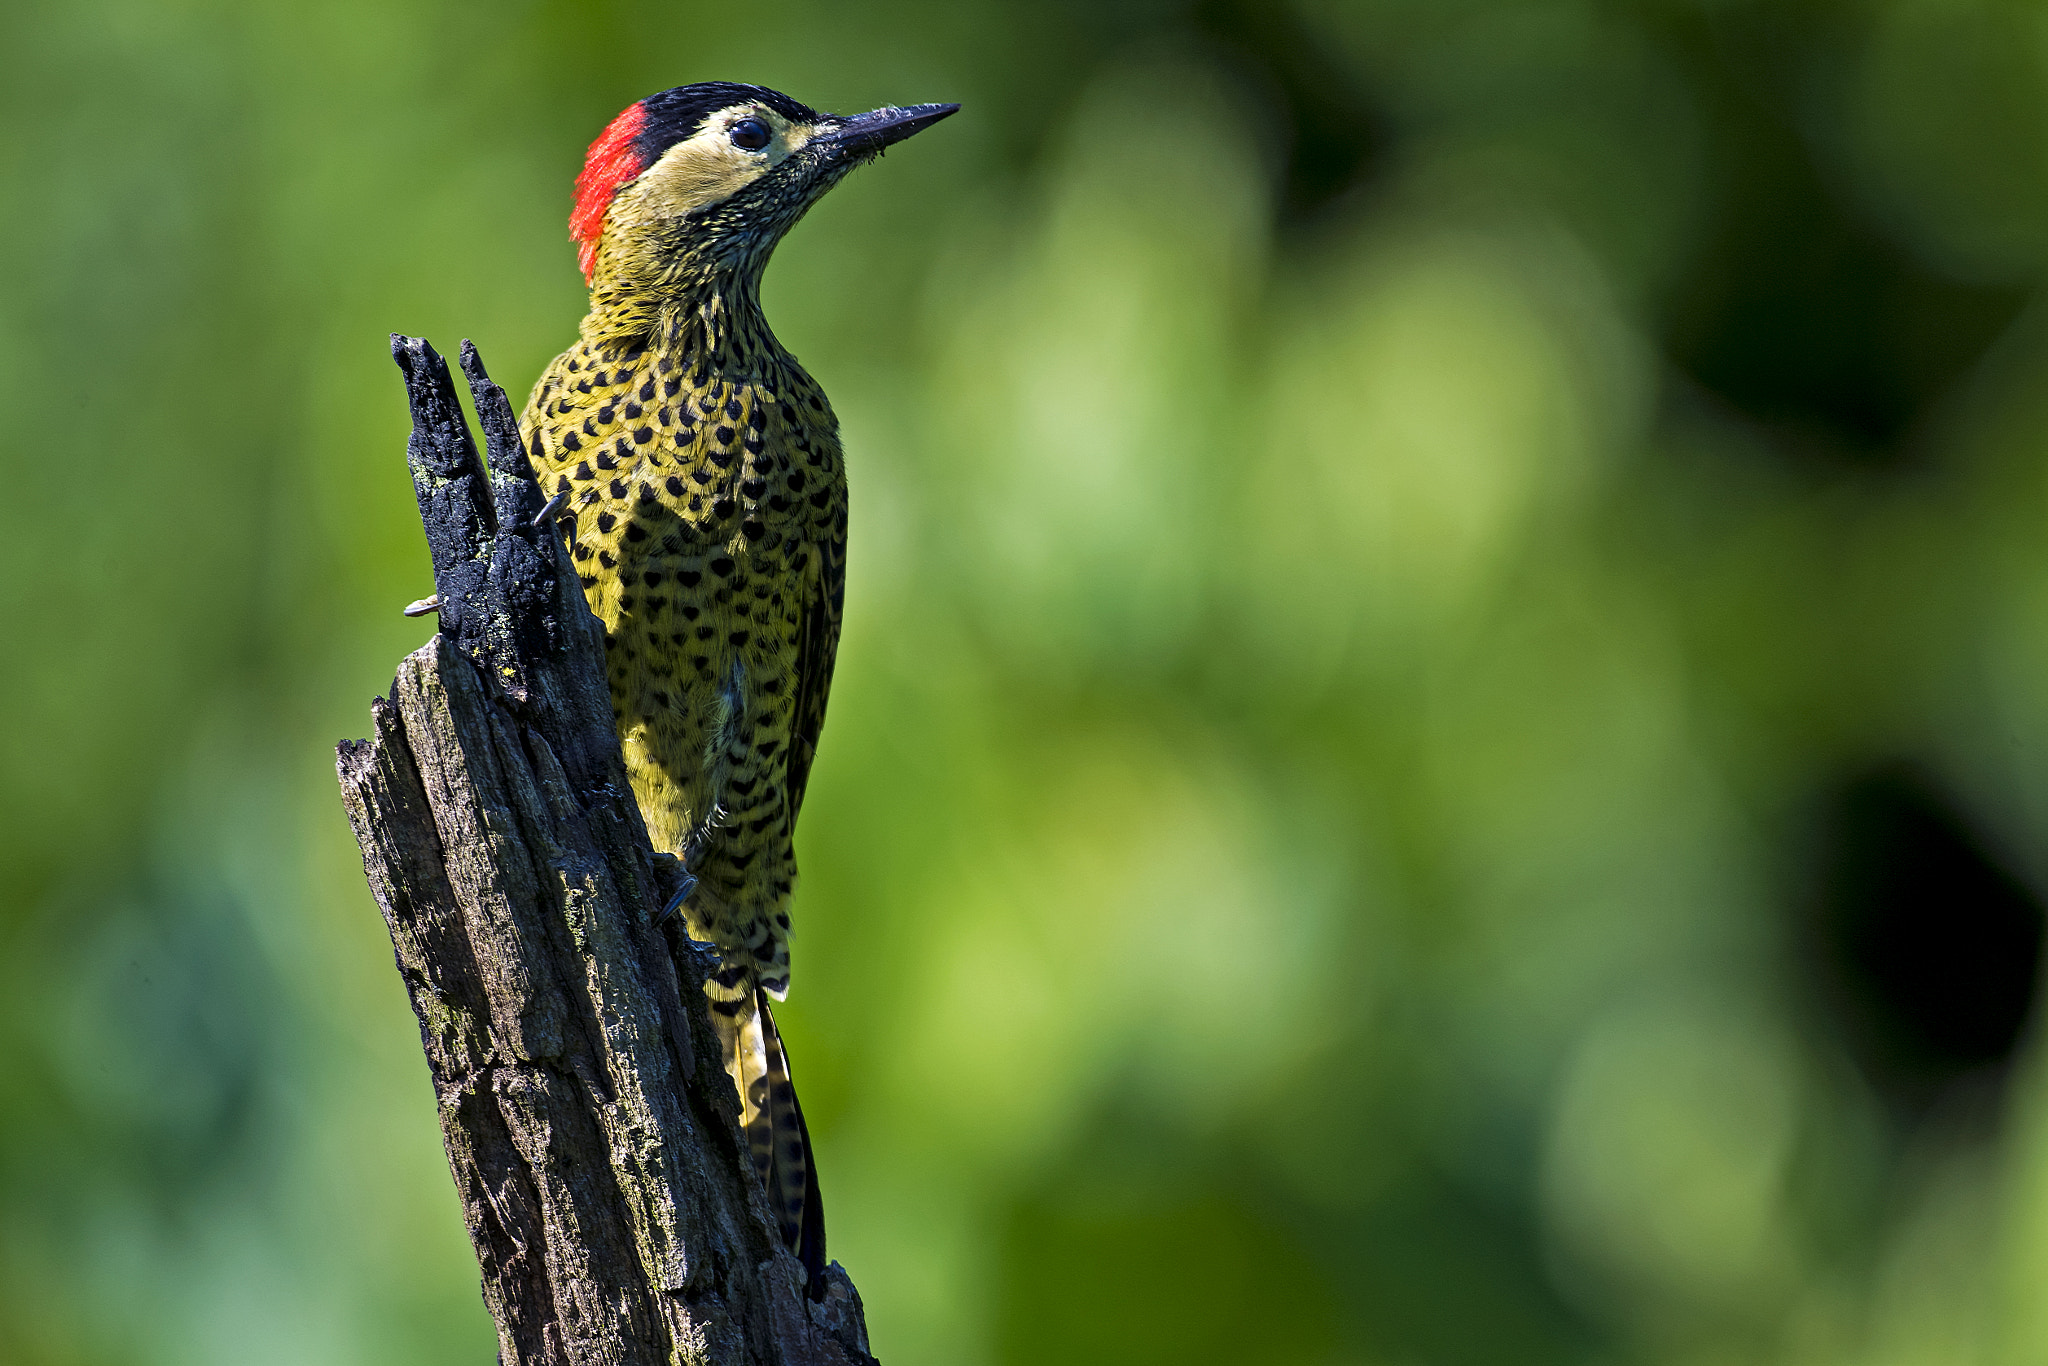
<point>817,649</point>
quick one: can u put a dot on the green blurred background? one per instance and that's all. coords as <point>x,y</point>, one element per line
<point>1441,749</point>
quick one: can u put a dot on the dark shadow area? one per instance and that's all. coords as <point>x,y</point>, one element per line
<point>1334,138</point>
<point>1928,949</point>
<point>1795,310</point>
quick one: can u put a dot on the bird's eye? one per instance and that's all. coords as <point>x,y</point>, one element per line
<point>750,135</point>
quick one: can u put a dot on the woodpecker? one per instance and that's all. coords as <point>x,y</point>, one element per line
<point>702,469</point>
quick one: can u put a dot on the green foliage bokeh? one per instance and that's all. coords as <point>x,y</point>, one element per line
<point>1377,529</point>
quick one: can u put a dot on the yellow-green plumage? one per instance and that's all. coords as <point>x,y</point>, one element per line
<point>710,537</point>
<point>706,513</point>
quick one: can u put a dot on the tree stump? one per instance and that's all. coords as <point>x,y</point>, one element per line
<point>591,1129</point>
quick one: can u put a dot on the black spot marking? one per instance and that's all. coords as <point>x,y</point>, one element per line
<point>674,486</point>
<point>732,407</point>
<point>721,566</point>
<point>722,509</point>
<point>642,435</point>
<point>752,529</point>
<point>688,578</point>
<point>605,521</point>
<point>636,532</point>
<point>571,442</point>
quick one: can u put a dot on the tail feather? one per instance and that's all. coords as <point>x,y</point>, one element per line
<point>792,1178</point>
<point>777,1139</point>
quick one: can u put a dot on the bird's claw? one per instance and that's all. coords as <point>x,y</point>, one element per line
<point>694,845</point>
<point>555,505</point>
<point>430,603</point>
<point>683,890</point>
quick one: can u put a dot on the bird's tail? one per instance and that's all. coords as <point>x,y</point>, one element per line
<point>773,1121</point>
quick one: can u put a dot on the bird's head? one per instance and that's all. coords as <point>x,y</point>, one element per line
<point>711,176</point>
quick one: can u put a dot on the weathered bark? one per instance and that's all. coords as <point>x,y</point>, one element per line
<point>592,1132</point>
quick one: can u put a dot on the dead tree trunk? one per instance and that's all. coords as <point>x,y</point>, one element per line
<point>590,1127</point>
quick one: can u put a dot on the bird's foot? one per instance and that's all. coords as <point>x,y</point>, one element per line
<point>672,872</point>
<point>687,885</point>
<point>694,847</point>
<point>552,510</point>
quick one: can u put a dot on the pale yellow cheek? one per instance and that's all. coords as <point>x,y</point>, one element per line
<point>692,176</point>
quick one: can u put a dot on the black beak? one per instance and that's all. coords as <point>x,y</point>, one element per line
<point>865,135</point>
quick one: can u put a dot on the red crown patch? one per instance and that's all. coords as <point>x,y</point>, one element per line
<point>611,162</point>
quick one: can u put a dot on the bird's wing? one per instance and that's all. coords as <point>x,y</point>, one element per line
<point>817,646</point>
